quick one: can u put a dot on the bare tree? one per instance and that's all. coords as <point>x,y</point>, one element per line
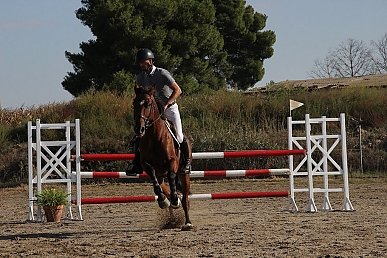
<point>380,54</point>
<point>323,69</point>
<point>351,58</point>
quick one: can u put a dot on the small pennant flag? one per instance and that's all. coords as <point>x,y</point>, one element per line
<point>295,104</point>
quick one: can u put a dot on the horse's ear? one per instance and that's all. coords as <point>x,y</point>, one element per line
<point>152,89</point>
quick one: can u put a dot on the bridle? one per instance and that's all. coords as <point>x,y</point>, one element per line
<point>147,120</point>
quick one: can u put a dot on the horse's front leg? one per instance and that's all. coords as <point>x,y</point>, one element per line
<point>165,188</point>
<point>162,200</point>
<point>175,201</point>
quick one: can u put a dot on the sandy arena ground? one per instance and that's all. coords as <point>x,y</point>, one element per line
<point>223,228</point>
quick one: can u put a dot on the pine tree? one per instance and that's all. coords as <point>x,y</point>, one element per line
<point>247,46</point>
<point>190,38</point>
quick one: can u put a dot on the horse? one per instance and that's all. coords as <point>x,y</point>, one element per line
<point>160,156</point>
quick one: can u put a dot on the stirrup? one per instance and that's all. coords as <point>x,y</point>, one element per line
<point>187,168</point>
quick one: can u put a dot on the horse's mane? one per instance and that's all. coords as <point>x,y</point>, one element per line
<point>151,90</point>
<point>143,90</point>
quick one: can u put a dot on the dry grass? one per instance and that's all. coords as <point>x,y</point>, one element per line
<point>220,121</point>
<point>376,80</point>
<point>14,117</point>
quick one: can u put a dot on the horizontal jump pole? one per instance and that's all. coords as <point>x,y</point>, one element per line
<point>195,174</point>
<point>247,154</point>
<point>214,196</point>
<point>201,155</point>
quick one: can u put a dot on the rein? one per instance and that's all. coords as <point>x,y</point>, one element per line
<point>147,120</point>
<point>148,123</point>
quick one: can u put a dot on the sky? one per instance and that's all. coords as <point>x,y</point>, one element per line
<point>34,36</point>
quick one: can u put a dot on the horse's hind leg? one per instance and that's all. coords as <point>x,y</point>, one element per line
<point>175,201</point>
<point>186,185</point>
<point>162,200</point>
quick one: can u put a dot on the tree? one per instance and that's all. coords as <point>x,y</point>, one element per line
<point>246,45</point>
<point>352,58</point>
<point>380,54</point>
<point>184,36</point>
<point>323,69</point>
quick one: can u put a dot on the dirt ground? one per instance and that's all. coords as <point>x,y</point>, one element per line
<point>223,228</point>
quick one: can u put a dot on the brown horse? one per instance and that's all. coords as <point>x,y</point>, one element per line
<point>159,153</point>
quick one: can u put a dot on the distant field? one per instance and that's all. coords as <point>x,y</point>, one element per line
<point>377,80</point>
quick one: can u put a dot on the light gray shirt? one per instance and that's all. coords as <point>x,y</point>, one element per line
<point>159,77</point>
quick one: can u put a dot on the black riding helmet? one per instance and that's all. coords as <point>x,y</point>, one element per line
<point>144,54</point>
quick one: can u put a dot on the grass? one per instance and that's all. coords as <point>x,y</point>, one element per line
<point>218,121</point>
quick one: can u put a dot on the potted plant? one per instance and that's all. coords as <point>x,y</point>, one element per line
<point>52,201</point>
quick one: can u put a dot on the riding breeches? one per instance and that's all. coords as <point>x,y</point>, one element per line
<point>172,113</point>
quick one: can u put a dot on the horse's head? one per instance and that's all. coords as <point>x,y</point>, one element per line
<point>145,109</point>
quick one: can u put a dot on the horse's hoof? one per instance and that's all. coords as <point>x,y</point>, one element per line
<point>163,204</point>
<point>187,227</point>
<point>178,205</point>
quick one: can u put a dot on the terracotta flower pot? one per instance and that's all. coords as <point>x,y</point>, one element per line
<point>53,213</point>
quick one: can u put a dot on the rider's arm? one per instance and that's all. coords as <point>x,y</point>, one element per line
<point>176,92</point>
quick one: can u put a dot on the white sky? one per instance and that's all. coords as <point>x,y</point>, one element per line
<point>35,34</point>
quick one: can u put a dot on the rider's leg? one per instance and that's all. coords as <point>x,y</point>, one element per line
<point>186,157</point>
<point>136,165</point>
<point>173,114</point>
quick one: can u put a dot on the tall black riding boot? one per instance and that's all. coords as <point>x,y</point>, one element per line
<point>136,164</point>
<point>186,158</point>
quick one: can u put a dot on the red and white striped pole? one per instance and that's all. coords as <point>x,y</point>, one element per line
<point>202,155</point>
<point>214,196</point>
<point>196,174</point>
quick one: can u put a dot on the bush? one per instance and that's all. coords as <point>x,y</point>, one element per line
<point>217,121</point>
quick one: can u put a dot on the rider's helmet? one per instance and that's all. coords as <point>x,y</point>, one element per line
<point>144,54</point>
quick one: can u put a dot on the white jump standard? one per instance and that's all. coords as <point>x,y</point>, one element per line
<point>325,167</point>
<point>53,163</point>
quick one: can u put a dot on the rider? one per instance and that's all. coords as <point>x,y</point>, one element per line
<point>167,91</point>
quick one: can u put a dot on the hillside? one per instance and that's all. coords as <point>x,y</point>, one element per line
<point>219,121</point>
<point>376,80</point>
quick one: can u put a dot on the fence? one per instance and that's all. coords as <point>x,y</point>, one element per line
<point>59,161</point>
